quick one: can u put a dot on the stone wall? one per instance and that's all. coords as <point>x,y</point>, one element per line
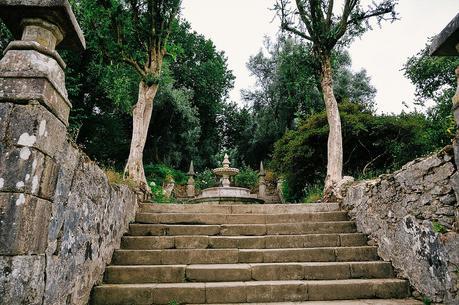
<point>60,220</point>
<point>413,216</point>
<point>75,216</point>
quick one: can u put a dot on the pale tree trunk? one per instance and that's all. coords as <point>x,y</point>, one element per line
<point>141,117</point>
<point>335,138</point>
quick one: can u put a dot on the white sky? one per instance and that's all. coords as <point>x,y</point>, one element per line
<point>238,27</point>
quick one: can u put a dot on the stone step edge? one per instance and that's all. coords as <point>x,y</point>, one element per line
<point>240,241</point>
<point>408,301</point>
<point>116,274</point>
<point>169,208</point>
<point>268,291</point>
<point>314,264</point>
<point>282,282</point>
<point>254,249</point>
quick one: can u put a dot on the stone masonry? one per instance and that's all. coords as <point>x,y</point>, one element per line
<point>412,215</point>
<point>60,220</point>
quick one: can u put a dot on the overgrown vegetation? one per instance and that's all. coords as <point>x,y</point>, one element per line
<point>115,177</point>
<point>247,178</point>
<point>205,179</point>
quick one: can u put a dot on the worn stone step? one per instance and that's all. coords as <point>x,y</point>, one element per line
<point>242,242</point>
<point>234,256</point>
<point>238,209</point>
<point>213,218</point>
<point>245,229</point>
<point>246,272</point>
<point>340,302</point>
<point>252,292</point>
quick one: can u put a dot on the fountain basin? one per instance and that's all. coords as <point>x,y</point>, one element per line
<point>227,195</point>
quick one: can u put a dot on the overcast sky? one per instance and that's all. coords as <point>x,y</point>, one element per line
<point>238,28</point>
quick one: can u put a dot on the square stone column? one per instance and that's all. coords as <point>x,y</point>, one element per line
<point>34,110</point>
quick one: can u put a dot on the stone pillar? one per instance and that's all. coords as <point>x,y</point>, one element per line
<point>456,118</point>
<point>34,110</point>
<point>190,188</point>
<point>261,182</point>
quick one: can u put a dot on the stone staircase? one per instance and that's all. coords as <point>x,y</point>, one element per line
<point>244,254</point>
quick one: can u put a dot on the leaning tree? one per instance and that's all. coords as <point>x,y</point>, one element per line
<point>326,26</point>
<point>136,33</point>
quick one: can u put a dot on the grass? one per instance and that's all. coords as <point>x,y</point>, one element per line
<point>115,177</point>
<point>313,194</point>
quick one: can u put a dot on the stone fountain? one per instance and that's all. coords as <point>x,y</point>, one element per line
<point>226,194</point>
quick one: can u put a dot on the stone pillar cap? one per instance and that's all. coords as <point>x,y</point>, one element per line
<point>447,42</point>
<point>58,12</point>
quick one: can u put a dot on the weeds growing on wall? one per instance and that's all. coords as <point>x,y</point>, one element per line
<point>115,177</point>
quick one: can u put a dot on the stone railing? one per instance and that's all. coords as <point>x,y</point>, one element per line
<point>60,219</point>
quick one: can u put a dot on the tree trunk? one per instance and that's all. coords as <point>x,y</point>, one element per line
<point>335,138</point>
<point>141,117</point>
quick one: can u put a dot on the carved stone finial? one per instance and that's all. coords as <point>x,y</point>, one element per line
<point>190,188</point>
<point>55,12</point>
<point>262,171</point>
<point>226,163</point>
<point>31,68</point>
<point>191,171</point>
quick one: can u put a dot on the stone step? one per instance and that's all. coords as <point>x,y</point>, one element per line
<point>340,302</point>
<point>246,272</point>
<point>242,242</point>
<point>245,229</point>
<point>238,209</point>
<point>213,218</point>
<point>252,292</point>
<point>234,256</point>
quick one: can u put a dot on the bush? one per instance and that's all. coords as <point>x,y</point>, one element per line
<point>247,178</point>
<point>205,180</point>
<point>160,173</point>
<point>372,144</point>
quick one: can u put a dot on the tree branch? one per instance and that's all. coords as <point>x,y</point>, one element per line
<point>331,3</point>
<point>296,32</point>
<point>135,65</point>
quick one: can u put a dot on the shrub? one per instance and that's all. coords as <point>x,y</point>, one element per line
<point>247,178</point>
<point>160,173</point>
<point>372,144</point>
<point>205,180</point>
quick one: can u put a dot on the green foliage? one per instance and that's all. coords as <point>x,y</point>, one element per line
<point>160,174</point>
<point>247,178</point>
<point>287,89</point>
<point>313,193</point>
<point>103,89</point>
<point>205,179</point>
<point>173,302</point>
<point>438,227</point>
<point>435,81</point>
<point>426,300</point>
<point>372,144</point>
<point>5,37</point>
